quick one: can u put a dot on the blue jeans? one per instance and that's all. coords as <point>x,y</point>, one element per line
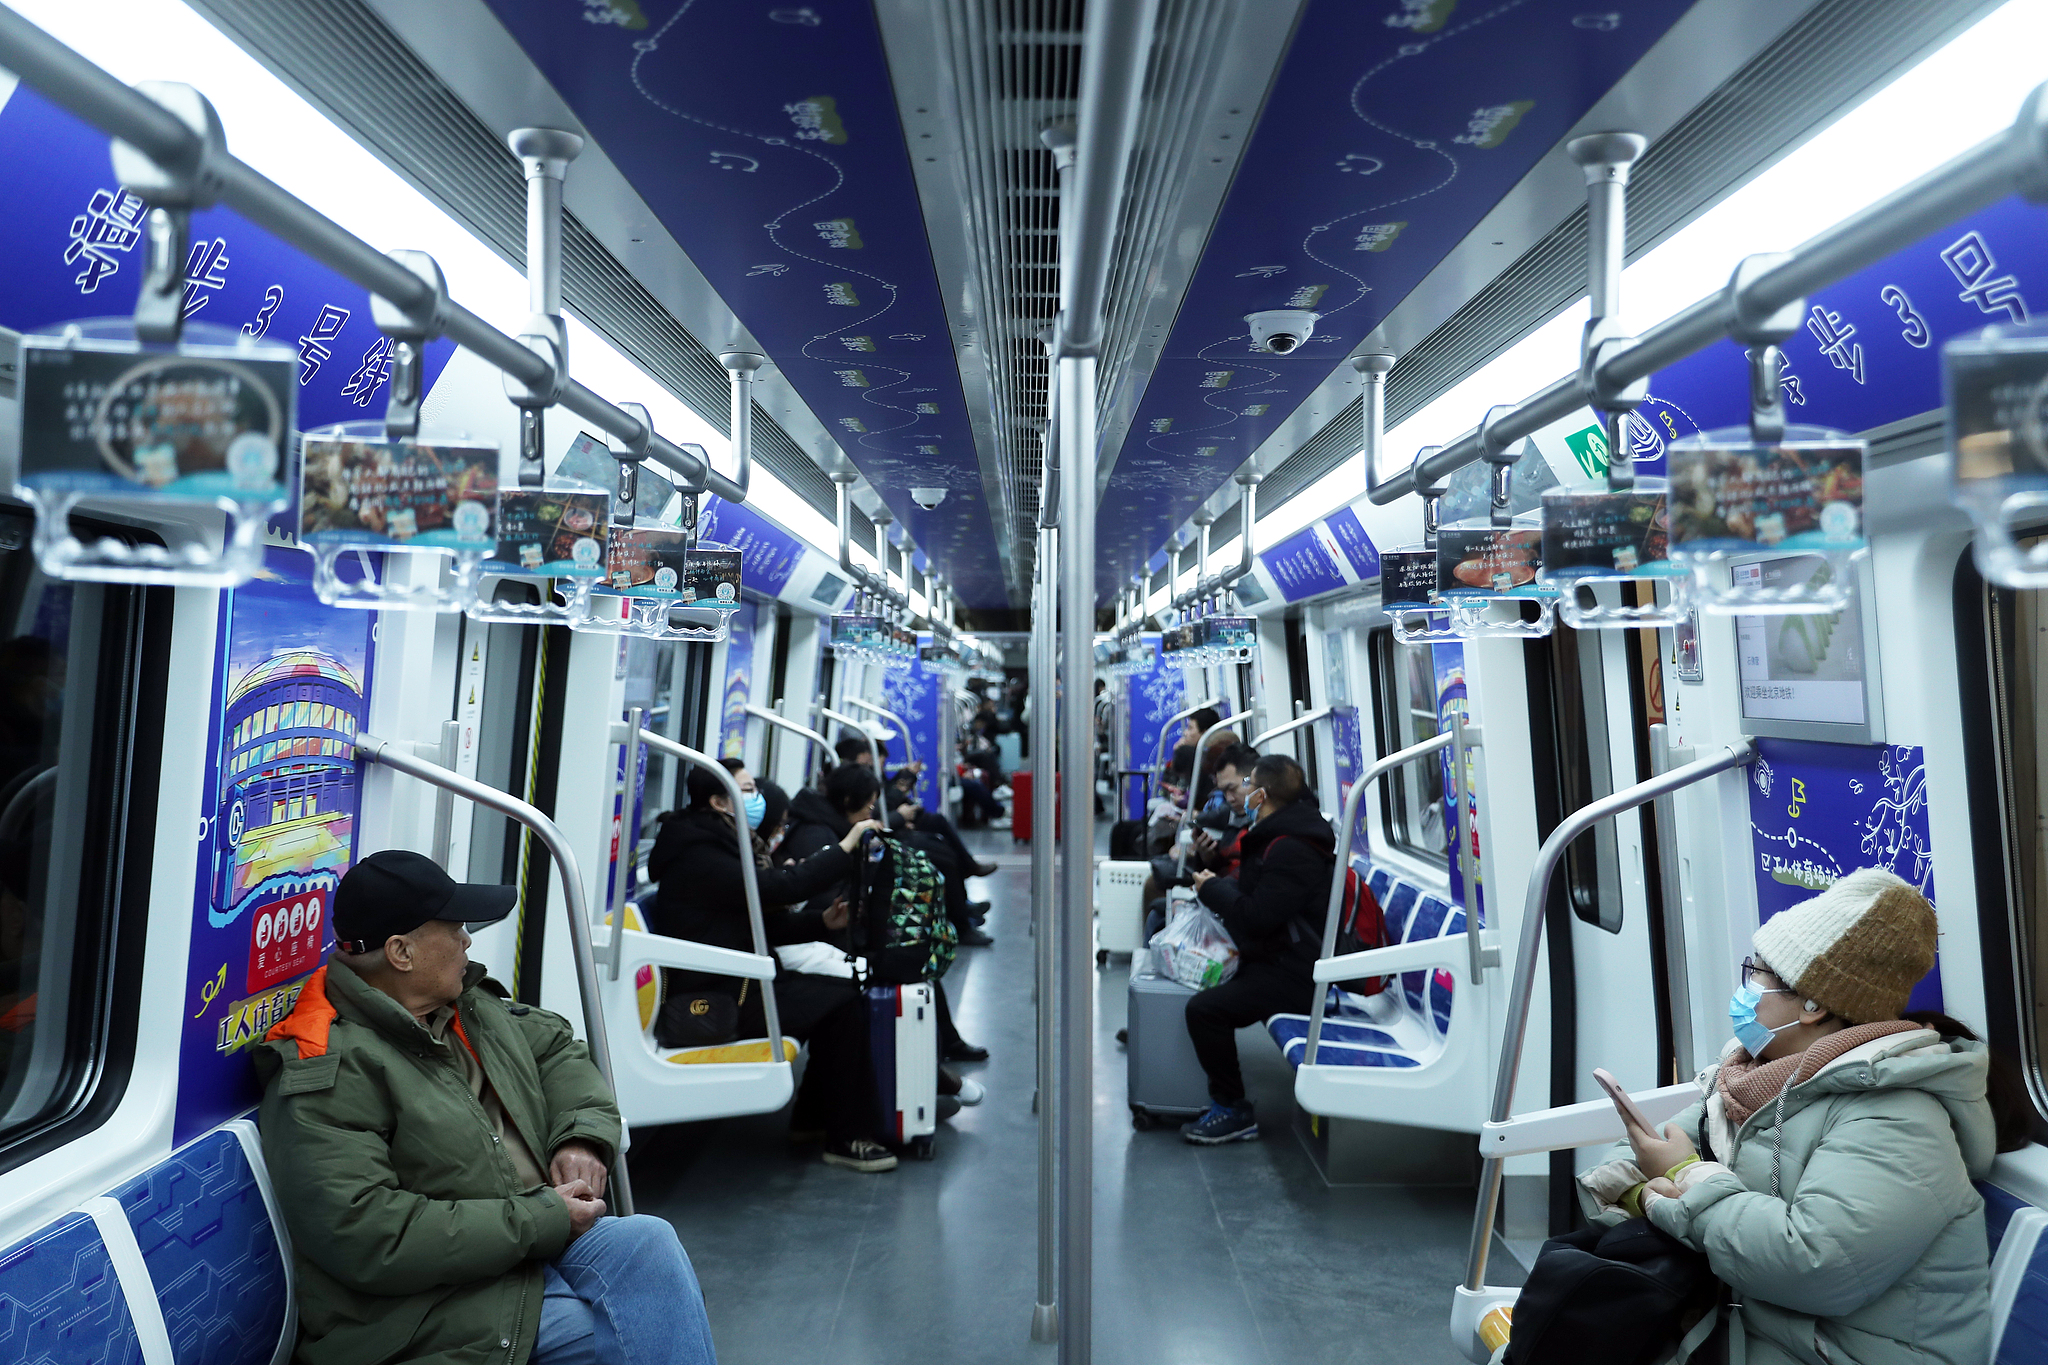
<point>623,1294</point>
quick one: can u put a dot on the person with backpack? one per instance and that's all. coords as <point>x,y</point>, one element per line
<point>1273,908</point>
<point>1826,1170</point>
<point>819,817</point>
<point>696,860</point>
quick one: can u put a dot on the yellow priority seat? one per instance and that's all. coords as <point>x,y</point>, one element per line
<point>753,1050</point>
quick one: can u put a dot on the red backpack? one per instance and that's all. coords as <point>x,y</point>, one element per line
<point>1360,925</point>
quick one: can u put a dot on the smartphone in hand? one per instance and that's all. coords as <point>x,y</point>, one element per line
<point>1630,1111</point>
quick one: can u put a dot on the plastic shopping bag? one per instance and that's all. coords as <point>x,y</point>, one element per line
<point>1194,948</point>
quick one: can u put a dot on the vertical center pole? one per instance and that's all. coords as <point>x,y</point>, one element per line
<point>1075,922</point>
<point>1044,914</point>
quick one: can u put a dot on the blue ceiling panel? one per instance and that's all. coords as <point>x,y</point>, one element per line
<point>1393,128</point>
<point>765,138</point>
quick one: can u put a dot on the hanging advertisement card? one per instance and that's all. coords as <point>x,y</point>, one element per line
<point>205,421</point>
<point>1736,497</point>
<point>551,532</point>
<point>356,490</point>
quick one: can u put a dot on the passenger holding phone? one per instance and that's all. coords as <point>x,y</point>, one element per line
<point>1826,1172</point>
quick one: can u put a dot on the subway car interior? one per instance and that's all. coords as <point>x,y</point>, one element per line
<point>559,633</point>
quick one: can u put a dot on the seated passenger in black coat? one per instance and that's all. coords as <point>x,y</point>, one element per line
<point>696,858</point>
<point>1273,909</point>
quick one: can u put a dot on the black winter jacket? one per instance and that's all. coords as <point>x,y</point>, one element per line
<point>697,861</point>
<point>1274,906</point>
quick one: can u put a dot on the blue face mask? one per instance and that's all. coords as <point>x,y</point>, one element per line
<point>756,806</point>
<point>1751,1032</point>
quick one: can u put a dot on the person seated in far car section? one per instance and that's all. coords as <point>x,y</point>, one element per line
<point>1273,910</point>
<point>931,834</point>
<point>441,1152</point>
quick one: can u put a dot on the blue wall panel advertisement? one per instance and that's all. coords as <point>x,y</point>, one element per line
<point>739,681</point>
<point>1302,566</point>
<point>1349,533</point>
<point>1461,820</point>
<point>1820,811</point>
<point>768,554</point>
<point>1153,696</point>
<point>290,688</point>
<point>916,693</point>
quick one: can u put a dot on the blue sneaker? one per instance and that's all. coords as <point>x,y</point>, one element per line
<point>1223,1123</point>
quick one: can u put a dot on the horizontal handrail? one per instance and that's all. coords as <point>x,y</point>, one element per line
<point>1166,731</point>
<point>902,726</point>
<point>1352,800</point>
<point>375,750</point>
<point>2014,160</point>
<point>1520,997</point>
<point>1586,1124</point>
<point>76,85</point>
<point>1403,957</point>
<point>750,879</point>
<point>1305,719</point>
<point>865,729</point>
<point>776,718</point>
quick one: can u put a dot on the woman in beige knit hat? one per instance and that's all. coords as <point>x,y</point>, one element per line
<point>1826,1171</point>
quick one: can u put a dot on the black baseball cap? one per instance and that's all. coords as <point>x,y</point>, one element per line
<point>397,890</point>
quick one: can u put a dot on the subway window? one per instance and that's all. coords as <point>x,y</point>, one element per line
<point>2018,661</point>
<point>71,674</point>
<point>1412,795</point>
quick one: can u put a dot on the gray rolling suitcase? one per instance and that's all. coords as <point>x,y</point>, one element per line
<point>1166,1082</point>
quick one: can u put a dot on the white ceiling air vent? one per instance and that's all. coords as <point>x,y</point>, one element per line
<point>1013,67</point>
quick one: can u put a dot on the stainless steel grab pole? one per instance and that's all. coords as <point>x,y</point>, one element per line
<point>1044,915</point>
<point>74,84</point>
<point>629,839</point>
<point>1353,800</point>
<point>750,877</point>
<point>375,750</point>
<point>1547,859</point>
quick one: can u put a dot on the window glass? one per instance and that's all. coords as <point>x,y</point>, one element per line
<point>67,693</point>
<point>1412,795</point>
<point>2019,675</point>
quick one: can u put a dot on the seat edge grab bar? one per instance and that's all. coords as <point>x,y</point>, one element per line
<point>1547,858</point>
<point>1352,801</point>
<point>375,750</point>
<point>750,879</point>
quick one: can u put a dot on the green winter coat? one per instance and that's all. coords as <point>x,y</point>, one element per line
<point>1874,1252</point>
<point>412,1238</point>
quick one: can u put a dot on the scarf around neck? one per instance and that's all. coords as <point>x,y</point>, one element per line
<point>1747,1085</point>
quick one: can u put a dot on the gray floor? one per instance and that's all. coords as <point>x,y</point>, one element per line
<point>1202,1256</point>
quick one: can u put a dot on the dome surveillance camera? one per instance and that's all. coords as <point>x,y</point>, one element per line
<point>1278,331</point>
<point>927,498</point>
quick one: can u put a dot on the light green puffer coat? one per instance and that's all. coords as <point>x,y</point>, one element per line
<point>1874,1251</point>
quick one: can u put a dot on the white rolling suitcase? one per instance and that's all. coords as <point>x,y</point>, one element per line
<point>903,1036</point>
<point>1119,908</point>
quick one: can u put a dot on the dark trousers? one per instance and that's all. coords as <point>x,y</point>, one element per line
<point>976,805</point>
<point>952,867</point>
<point>1258,991</point>
<point>940,828</point>
<point>830,1014</point>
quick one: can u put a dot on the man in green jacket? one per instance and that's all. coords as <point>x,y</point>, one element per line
<point>440,1153</point>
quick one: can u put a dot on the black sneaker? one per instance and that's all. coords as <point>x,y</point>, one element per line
<point>978,911</point>
<point>1123,1037</point>
<point>985,869</point>
<point>974,937</point>
<point>860,1155</point>
<point>960,1050</point>
<point>1222,1123</point>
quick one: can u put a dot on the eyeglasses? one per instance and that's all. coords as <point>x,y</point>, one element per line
<point>1752,969</point>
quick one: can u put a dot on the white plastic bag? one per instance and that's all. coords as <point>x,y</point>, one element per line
<point>1194,948</point>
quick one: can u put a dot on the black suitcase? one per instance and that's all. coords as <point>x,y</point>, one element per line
<point>1127,841</point>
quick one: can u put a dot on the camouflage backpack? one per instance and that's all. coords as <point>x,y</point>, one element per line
<point>900,925</point>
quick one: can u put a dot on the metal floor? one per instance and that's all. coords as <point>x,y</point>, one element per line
<point>1237,1255</point>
